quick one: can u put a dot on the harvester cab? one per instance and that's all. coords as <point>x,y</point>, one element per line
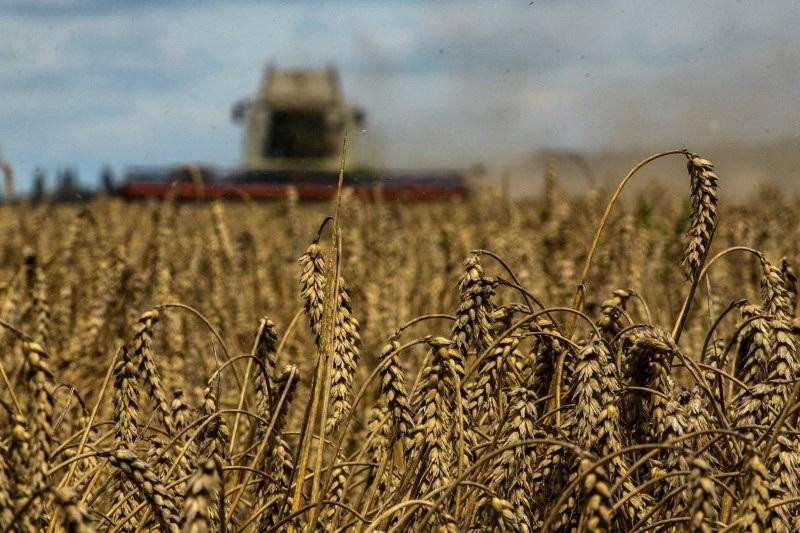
<point>297,120</point>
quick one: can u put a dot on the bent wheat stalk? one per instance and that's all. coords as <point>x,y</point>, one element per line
<point>577,301</point>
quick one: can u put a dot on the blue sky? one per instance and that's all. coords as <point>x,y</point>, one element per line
<point>87,83</point>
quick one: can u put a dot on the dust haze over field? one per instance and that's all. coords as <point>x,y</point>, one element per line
<point>445,84</point>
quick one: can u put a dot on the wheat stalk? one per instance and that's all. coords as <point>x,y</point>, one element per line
<point>152,488</point>
<point>200,491</point>
<point>704,214</point>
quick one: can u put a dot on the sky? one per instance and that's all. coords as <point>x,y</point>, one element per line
<point>86,83</point>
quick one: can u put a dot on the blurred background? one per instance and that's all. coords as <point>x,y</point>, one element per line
<point>87,85</point>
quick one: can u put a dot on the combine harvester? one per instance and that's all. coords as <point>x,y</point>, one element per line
<point>293,133</point>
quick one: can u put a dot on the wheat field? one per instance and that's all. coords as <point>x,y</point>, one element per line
<point>564,363</point>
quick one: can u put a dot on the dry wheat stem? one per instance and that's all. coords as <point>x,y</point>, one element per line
<point>577,302</point>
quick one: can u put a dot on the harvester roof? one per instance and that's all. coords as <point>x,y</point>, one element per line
<point>301,88</point>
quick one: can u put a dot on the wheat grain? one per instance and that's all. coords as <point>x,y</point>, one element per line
<point>200,490</point>
<point>704,214</point>
<point>153,489</point>
<point>74,517</point>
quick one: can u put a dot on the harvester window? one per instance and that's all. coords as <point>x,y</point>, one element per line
<point>297,134</point>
